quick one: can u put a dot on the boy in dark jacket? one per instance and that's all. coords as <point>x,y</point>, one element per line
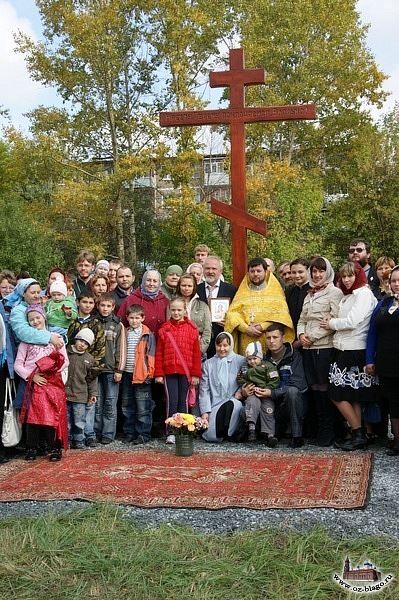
<point>111,376</point>
<point>259,375</point>
<point>289,398</point>
<point>85,319</point>
<point>80,388</point>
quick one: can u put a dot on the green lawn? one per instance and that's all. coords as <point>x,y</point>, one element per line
<point>98,553</point>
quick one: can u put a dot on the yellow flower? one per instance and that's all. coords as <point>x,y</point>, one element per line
<point>189,418</point>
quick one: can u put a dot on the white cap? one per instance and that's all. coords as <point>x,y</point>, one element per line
<point>85,334</point>
<point>59,286</point>
<point>254,349</point>
<point>102,264</point>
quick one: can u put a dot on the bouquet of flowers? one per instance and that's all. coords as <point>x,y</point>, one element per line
<point>185,424</point>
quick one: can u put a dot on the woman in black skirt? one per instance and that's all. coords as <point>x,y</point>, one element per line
<point>350,385</point>
<point>322,300</point>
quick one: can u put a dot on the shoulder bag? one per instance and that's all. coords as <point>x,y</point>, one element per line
<point>12,429</point>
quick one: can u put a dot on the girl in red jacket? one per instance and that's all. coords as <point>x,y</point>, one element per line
<point>177,359</point>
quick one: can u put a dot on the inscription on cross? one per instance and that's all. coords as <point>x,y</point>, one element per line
<point>237,115</point>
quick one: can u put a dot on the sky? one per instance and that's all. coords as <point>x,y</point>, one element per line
<point>19,94</point>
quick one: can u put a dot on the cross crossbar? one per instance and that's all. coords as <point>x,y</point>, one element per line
<point>237,115</point>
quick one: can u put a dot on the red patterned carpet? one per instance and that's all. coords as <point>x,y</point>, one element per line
<point>156,478</point>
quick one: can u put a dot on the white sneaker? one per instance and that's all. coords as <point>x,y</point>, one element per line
<point>171,439</point>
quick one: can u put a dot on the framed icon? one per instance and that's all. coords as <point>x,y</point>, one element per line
<point>218,308</point>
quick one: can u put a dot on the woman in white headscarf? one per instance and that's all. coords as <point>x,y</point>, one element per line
<point>197,270</point>
<point>150,296</point>
<point>218,401</point>
<point>322,300</point>
<point>26,292</point>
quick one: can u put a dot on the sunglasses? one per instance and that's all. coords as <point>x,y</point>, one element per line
<point>358,250</point>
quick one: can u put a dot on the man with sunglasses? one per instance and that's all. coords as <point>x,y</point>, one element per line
<point>359,251</point>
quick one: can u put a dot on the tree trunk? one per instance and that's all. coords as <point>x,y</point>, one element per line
<point>131,250</point>
<point>119,226</point>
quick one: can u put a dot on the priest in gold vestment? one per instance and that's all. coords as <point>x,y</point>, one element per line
<point>259,301</point>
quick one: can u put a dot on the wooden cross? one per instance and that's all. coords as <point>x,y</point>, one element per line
<point>236,116</point>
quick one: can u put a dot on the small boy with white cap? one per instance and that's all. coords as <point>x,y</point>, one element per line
<point>60,309</point>
<point>259,375</point>
<point>80,388</point>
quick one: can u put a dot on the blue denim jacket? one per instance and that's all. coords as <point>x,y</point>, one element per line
<point>11,348</point>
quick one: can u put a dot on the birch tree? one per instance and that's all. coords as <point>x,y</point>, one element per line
<point>94,54</point>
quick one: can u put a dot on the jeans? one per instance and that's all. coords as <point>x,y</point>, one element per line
<point>105,411</point>
<point>89,427</point>
<point>137,407</point>
<point>76,421</point>
<point>293,406</point>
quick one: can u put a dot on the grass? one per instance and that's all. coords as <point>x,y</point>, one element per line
<point>99,553</point>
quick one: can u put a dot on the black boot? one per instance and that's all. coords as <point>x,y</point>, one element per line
<point>295,442</point>
<point>326,416</point>
<point>358,440</point>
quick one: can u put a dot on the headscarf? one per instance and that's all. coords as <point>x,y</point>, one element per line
<point>196,265</point>
<point>321,285</point>
<point>174,270</point>
<point>142,287</point>
<point>16,295</point>
<point>223,365</point>
<point>360,280</point>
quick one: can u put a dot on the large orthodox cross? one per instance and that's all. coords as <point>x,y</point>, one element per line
<point>236,116</point>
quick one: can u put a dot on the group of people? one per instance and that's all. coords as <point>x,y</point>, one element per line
<point>307,354</point>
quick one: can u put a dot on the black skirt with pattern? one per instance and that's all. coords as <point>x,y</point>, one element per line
<point>348,379</point>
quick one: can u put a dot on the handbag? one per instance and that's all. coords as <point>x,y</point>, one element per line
<point>191,396</point>
<point>12,429</point>
<point>192,392</point>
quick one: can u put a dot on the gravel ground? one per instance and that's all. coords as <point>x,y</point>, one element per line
<point>379,517</point>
